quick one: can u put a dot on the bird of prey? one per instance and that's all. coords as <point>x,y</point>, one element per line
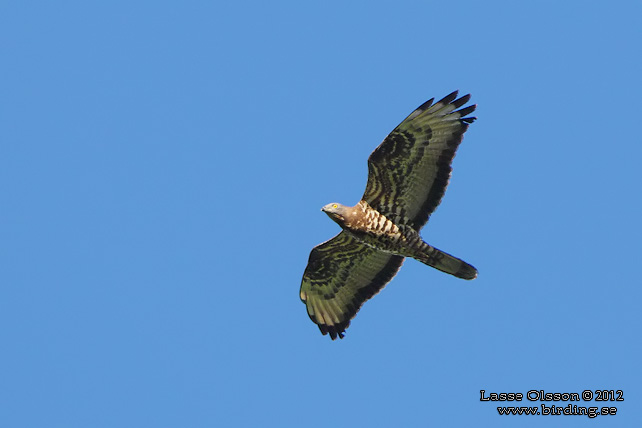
<point>407,177</point>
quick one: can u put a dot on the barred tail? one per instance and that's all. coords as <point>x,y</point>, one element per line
<point>446,263</point>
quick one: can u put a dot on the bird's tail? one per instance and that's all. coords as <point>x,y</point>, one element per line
<point>445,262</point>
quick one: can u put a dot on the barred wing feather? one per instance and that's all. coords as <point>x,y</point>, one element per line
<point>341,275</point>
<point>409,172</point>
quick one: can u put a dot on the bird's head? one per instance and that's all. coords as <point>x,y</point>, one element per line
<point>335,211</point>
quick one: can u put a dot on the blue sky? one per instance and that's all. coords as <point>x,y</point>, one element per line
<point>162,167</point>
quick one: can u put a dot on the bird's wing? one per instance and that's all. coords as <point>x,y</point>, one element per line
<point>341,275</point>
<point>409,171</point>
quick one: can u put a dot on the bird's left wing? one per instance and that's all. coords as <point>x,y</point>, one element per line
<point>409,171</point>
<point>341,275</point>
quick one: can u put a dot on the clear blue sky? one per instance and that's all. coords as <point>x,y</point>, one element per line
<point>162,167</point>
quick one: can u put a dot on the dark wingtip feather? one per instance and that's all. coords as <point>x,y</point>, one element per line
<point>334,331</point>
<point>425,105</point>
<point>461,101</point>
<point>467,110</point>
<point>449,98</point>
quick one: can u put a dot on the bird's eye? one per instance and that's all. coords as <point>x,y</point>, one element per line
<point>335,206</point>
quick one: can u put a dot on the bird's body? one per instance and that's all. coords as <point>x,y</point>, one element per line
<point>408,175</point>
<point>368,226</point>
<point>376,231</point>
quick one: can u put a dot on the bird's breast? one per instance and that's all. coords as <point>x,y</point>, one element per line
<point>375,230</point>
<point>378,224</point>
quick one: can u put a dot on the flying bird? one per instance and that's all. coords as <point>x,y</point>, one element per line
<point>407,177</point>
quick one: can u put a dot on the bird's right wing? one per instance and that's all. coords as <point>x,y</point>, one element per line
<point>409,171</point>
<point>341,275</point>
